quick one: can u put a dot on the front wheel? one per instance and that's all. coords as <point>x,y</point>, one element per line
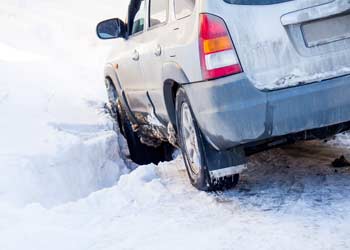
<point>193,145</point>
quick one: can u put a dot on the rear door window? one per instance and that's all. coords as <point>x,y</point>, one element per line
<point>158,13</point>
<point>183,8</point>
<point>256,2</point>
<point>138,21</point>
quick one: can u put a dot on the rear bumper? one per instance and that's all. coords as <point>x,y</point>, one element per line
<point>231,111</point>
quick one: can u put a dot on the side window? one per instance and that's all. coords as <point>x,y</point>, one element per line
<point>138,18</point>
<point>158,12</point>
<point>184,8</point>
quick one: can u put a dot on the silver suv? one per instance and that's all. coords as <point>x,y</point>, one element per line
<point>225,79</point>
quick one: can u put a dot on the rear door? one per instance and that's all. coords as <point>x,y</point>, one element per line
<point>284,43</point>
<point>154,54</point>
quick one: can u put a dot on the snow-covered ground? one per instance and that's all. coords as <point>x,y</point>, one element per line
<point>65,182</point>
<point>55,145</point>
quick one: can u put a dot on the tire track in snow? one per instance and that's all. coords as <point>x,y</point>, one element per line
<point>281,180</point>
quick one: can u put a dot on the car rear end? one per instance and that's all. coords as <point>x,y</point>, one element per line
<point>285,71</point>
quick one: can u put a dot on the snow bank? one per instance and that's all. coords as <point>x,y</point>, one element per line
<point>12,55</point>
<point>57,145</point>
<point>299,207</point>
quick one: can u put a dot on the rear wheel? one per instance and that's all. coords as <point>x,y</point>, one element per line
<point>139,152</point>
<point>193,145</point>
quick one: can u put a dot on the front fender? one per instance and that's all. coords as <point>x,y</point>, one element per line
<point>110,73</point>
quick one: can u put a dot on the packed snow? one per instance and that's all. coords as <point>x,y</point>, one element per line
<point>66,181</point>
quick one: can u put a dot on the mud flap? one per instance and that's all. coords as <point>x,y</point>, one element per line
<point>224,163</point>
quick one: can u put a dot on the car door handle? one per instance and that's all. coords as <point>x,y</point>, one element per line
<point>158,50</point>
<point>136,55</point>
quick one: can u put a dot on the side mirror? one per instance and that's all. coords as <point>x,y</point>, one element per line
<point>111,29</point>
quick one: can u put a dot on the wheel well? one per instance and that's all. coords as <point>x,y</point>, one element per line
<point>170,89</point>
<point>111,89</point>
<point>110,82</point>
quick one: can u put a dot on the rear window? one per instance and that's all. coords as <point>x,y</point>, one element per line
<point>256,2</point>
<point>158,12</point>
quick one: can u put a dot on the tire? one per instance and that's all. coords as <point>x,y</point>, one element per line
<point>193,146</point>
<point>140,153</point>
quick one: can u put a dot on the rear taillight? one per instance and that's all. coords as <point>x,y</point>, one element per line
<point>217,53</point>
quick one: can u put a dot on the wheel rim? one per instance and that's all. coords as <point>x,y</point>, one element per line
<point>190,140</point>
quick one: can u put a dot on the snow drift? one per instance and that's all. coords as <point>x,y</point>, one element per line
<point>57,145</point>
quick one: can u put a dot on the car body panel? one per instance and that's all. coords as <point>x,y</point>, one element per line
<point>235,113</point>
<point>153,54</point>
<point>174,39</point>
<point>130,74</point>
<point>143,81</point>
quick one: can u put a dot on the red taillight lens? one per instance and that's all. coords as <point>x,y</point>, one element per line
<point>217,53</point>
